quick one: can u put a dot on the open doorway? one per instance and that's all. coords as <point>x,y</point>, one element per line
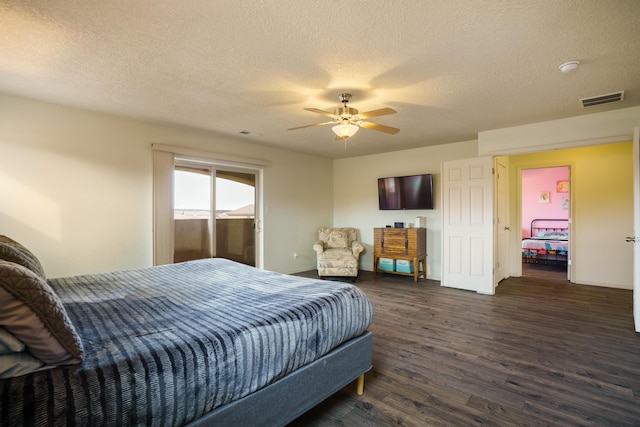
<point>545,209</point>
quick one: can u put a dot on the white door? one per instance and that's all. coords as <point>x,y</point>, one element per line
<point>636,228</point>
<point>467,224</point>
<point>502,222</point>
<point>570,225</point>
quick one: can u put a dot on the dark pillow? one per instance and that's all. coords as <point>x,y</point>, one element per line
<point>33,313</point>
<point>12,251</point>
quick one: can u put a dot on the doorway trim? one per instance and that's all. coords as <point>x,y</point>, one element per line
<point>163,237</point>
<point>544,165</point>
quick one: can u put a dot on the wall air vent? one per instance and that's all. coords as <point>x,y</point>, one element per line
<point>602,99</point>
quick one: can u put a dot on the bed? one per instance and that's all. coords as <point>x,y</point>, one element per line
<point>208,342</point>
<point>548,242</point>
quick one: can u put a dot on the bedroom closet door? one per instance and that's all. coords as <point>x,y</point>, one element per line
<point>467,225</point>
<point>635,239</point>
<point>502,221</point>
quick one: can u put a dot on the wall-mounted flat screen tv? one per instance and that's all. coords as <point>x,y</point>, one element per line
<point>406,192</point>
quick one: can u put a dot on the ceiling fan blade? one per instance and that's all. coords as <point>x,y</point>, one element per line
<point>324,113</point>
<point>381,128</point>
<point>375,113</point>
<point>308,126</point>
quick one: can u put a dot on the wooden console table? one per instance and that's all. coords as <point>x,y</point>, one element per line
<point>404,244</point>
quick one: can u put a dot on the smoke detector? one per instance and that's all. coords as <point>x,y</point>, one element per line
<point>569,66</point>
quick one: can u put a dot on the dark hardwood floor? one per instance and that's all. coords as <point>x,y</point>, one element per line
<point>541,352</point>
<point>545,271</point>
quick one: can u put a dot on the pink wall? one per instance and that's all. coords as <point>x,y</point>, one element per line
<point>536,181</point>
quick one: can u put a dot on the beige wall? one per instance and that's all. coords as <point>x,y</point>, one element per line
<point>601,206</point>
<point>572,132</point>
<point>355,194</point>
<point>75,188</point>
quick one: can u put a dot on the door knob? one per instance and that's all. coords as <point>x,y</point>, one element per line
<point>507,228</point>
<point>631,239</point>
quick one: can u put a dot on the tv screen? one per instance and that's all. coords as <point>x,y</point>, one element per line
<point>406,192</point>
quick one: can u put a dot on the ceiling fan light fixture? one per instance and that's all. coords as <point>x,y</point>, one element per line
<point>346,121</point>
<point>345,130</point>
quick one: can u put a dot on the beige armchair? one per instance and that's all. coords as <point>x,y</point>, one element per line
<point>338,252</point>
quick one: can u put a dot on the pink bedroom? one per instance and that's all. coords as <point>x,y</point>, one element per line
<point>545,217</point>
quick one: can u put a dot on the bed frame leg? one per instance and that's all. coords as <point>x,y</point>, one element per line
<point>360,386</point>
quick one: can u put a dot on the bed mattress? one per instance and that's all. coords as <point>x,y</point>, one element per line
<point>165,345</point>
<point>545,244</point>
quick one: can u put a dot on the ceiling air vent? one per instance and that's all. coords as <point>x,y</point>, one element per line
<point>602,99</point>
<point>249,133</point>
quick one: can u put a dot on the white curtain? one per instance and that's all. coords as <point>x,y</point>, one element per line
<point>163,230</point>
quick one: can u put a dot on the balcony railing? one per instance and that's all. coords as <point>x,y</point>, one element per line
<point>235,239</point>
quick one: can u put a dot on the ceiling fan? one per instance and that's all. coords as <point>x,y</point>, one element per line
<point>348,121</point>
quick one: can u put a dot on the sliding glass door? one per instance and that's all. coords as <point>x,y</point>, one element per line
<point>214,213</point>
<point>192,214</point>
<point>235,217</point>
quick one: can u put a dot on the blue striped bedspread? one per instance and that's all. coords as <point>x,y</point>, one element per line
<point>165,345</point>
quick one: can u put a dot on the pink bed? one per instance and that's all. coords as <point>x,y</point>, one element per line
<point>549,242</point>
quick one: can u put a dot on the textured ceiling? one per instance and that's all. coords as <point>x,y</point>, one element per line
<point>450,68</point>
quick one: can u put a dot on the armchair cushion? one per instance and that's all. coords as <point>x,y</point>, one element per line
<point>335,237</point>
<point>338,259</point>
